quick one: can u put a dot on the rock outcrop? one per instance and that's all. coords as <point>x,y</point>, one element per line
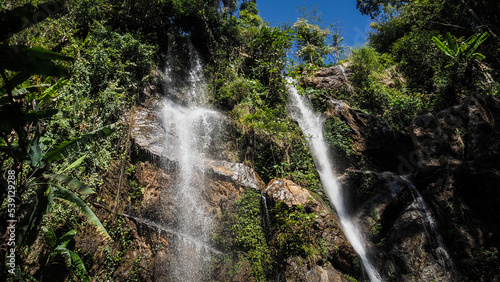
<point>227,182</point>
<point>288,192</point>
<point>457,169</point>
<point>334,77</point>
<point>380,147</point>
<point>338,252</point>
<point>452,159</point>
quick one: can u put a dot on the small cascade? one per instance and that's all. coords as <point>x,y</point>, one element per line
<point>191,128</point>
<point>434,231</point>
<point>312,127</point>
<point>351,90</point>
<point>266,216</point>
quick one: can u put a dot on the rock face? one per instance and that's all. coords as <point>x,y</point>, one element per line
<point>380,147</point>
<point>227,182</point>
<point>147,132</point>
<point>302,272</point>
<point>337,251</point>
<point>236,172</point>
<point>288,192</point>
<point>427,203</point>
<point>328,78</point>
<point>453,159</point>
<point>457,165</point>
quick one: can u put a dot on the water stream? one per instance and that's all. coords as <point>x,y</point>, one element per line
<point>434,231</point>
<point>349,87</point>
<point>267,217</point>
<point>312,127</point>
<point>190,129</point>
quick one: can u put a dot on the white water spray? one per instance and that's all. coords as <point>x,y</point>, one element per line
<point>190,129</point>
<point>344,74</point>
<point>441,249</point>
<point>312,127</point>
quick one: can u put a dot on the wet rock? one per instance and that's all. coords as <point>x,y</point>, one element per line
<point>324,227</point>
<point>147,132</point>
<point>411,244</point>
<point>237,172</point>
<point>458,175</point>
<point>377,145</point>
<point>299,270</point>
<point>370,192</point>
<point>160,143</point>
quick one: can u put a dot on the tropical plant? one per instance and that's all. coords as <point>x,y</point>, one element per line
<point>464,70</point>
<point>462,52</point>
<point>59,249</point>
<point>54,186</point>
<point>28,87</point>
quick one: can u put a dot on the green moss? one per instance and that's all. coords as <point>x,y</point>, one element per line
<point>249,236</point>
<point>337,136</point>
<point>292,231</point>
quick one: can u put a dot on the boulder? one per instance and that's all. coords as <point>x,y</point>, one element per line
<point>328,78</point>
<point>288,192</point>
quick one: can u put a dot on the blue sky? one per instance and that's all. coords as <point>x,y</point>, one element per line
<point>355,26</point>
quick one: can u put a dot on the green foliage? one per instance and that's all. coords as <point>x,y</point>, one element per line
<point>249,18</point>
<point>19,18</point>
<point>119,233</point>
<point>465,51</point>
<point>480,262</point>
<point>31,60</point>
<point>136,191</point>
<point>410,31</point>
<point>59,249</point>
<point>462,73</point>
<point>375,231</point>
<point>292,230</point>
<point>301,167</point>
<point>249,6</point>
<point>31,150</point>
<point>381,89</point>
<point>249,234</point>
<point>337,136</point>
<point>315,40</point>
<point>47,123</point>
<point>372,7</point>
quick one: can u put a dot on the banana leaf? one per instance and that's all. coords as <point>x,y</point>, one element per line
<point>70,182</point>
<point>72,199</point>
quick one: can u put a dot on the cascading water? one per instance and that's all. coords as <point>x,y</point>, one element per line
<point>441,249</point>
<point>344,74</point>
<point>190,129</point>
<point>267,216</point>
<point>312,127</point>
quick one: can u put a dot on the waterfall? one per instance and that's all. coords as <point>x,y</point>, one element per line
<point>312,127</point>
<point>266,216</point>
<point>344,74</point>
<point>190,129</point>
<point>441,249</point>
